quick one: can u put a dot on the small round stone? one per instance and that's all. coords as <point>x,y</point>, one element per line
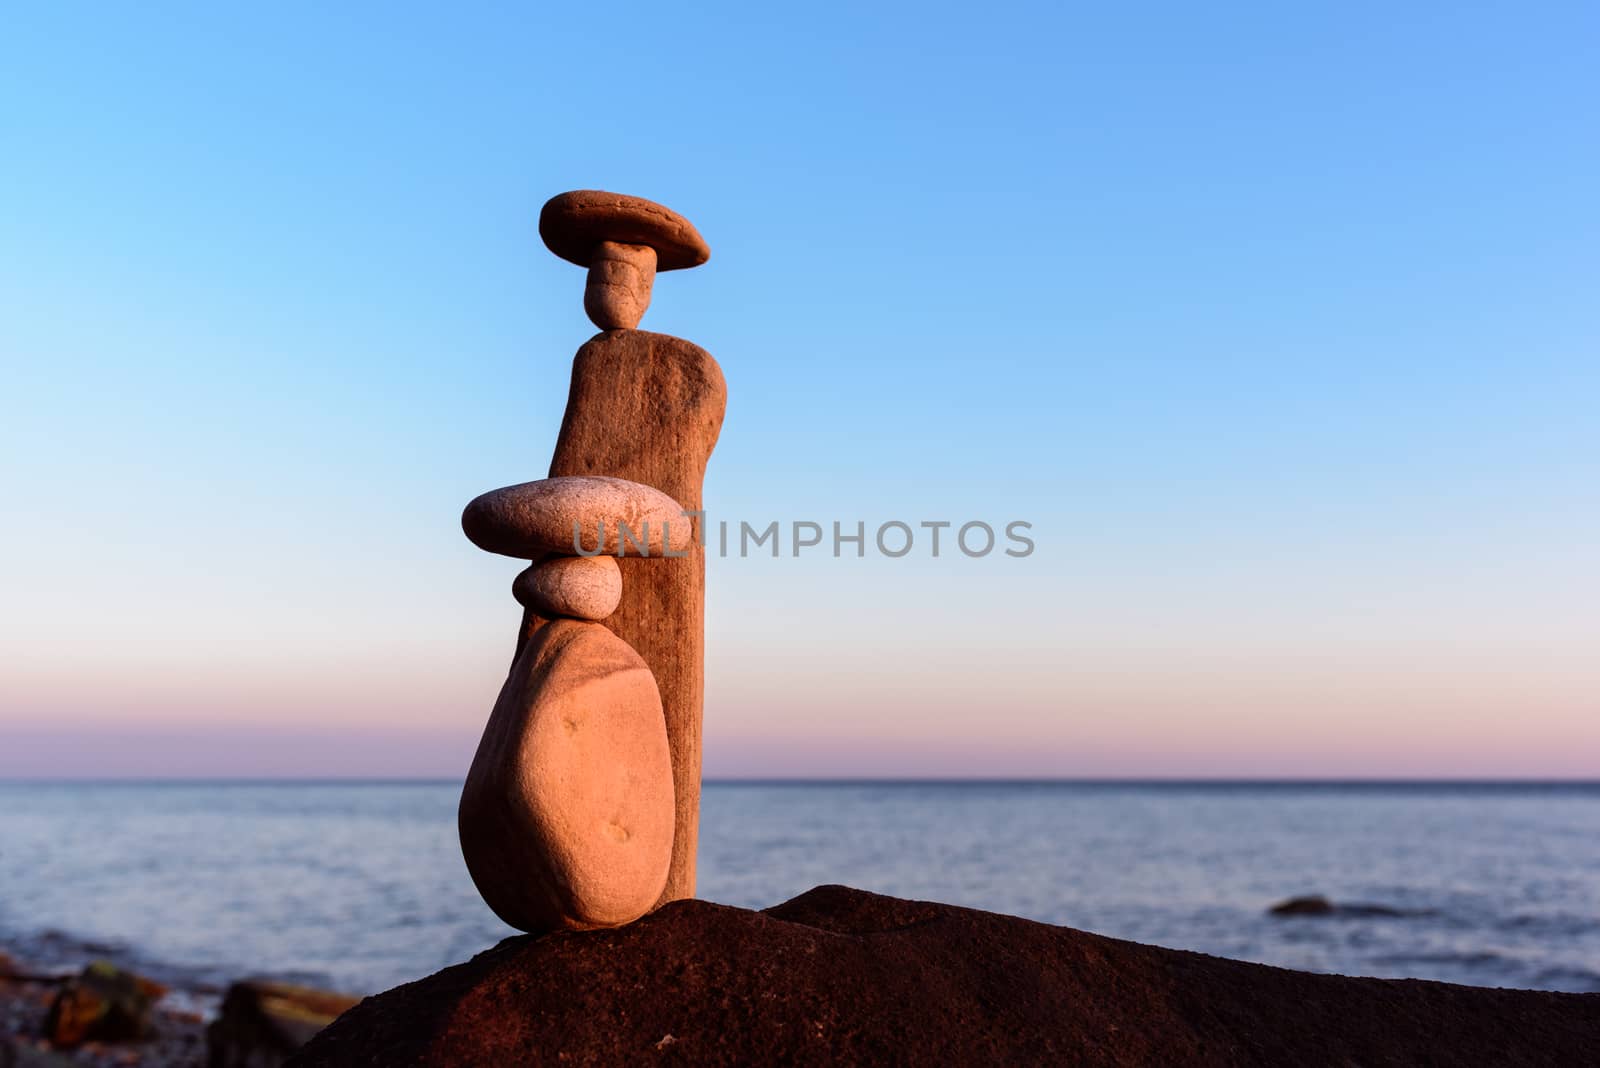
<point>579,515</point>
<point>620,280</point>
<point>574,587</point>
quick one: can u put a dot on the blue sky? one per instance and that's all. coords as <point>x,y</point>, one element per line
<point>1278,324</point>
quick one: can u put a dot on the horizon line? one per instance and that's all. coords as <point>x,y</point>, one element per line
<point>834,780</point>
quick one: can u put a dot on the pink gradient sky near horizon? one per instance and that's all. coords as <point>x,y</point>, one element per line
<point>1043,673</point>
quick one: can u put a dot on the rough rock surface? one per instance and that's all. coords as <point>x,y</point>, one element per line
<point>648,407</point>
<point>621,278</point>
<point>566,817</point>
<point>838,976</point>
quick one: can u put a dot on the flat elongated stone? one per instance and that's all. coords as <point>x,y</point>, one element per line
<point>599,515</point>
<point>574,223</point>
<point>566,818</point>
<point>648,407</point>
<point>576,587</point>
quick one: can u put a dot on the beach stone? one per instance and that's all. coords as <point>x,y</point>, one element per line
<point>620,280</point>
<point>261,1022</point>
<point>577,587</point>
<point>103,1003</point>
<point>574,224</point>
<point>648,407</point>
<point>560,515</point>
<point>566,818</point>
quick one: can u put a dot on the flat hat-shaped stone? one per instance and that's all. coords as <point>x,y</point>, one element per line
<point>560,515</point>
<point>574,224</point>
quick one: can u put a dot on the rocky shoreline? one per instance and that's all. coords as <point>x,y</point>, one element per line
<point>105,1016</point>
<point>27,993</point>
<point>833,976</point>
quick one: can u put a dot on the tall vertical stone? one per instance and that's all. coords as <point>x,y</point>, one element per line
<point>648,408</point>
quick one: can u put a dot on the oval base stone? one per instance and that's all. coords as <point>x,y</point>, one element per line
<point>566,818</point>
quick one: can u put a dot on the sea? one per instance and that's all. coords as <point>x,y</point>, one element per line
<point>360,886</point>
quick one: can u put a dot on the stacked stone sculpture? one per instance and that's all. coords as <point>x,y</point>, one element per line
<point>581,808</point>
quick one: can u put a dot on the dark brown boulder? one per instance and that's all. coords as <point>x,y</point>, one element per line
<point>838,976</point>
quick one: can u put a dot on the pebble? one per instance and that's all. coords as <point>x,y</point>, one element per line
<point>577,587</point>
<point>620,282</point>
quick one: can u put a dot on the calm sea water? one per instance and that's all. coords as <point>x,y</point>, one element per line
<point>361,886</point>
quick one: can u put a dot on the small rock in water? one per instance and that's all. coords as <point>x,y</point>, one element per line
<point>566,818</point>
<point>1317,905</point>
<point>262,1022</point>
<point>105,1004</point>
<point>577,587</point>
<point>1310,905</point>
